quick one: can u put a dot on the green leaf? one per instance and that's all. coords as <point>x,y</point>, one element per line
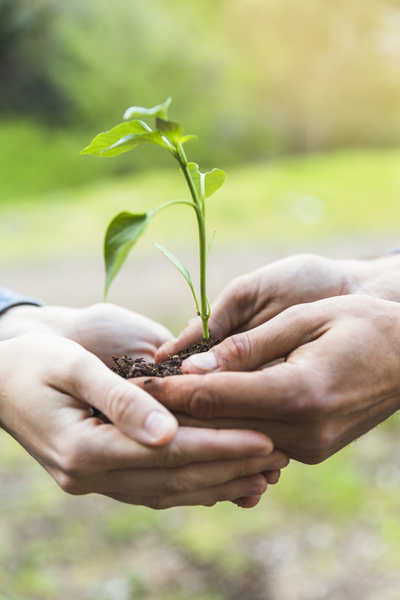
<point>210,244</point>
<point>206,184</point>
<point>122,234</point>
<point>131,141</point>
<point>177,263</point>
<point>104,140</point>
<point>188,138</point>
<point>161,110</point>
<point>213,181</point>
<point>172,130</point>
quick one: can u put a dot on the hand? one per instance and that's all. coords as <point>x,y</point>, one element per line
<point>253,299</point>
<point>340,378</point>
<point>103,329</point>
<point>47,387</point>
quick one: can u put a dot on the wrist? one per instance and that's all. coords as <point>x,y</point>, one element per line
<point>379,277</point>
<point>25,318</point>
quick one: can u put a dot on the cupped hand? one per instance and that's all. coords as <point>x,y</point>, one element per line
<point>340,378</point>
<point>103,329</point>
<point>252,299</point>
<point>48,385</point>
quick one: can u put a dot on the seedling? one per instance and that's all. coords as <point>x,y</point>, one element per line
<point>126,228</point>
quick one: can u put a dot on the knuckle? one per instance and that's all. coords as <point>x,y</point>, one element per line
<point>246,468</point>
<point>176,485</point>
<point>73,470</point>
<point>204,405</point>
<point>223,494</point>
<point>173,456</point>
<point>234,288</point>
<point>72,466</point>
<point>69,484</point>
<point>120,402</point>
<point>319,445</point>
<point>238,347</point>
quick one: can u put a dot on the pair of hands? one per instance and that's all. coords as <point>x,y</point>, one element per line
<point>336,325</point>
<point>52,372</point>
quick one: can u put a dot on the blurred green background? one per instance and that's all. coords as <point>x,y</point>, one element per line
<point>300,103</point>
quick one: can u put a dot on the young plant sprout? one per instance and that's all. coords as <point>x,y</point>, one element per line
<point>126,228</point>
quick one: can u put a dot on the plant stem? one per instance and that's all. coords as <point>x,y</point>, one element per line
<point>170,203</point>
<point>199,209</point>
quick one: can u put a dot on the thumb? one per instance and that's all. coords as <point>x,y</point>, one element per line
<point>222,322</point>
<point>192,334</point>
<point>137,414</point>
<point>253,349</point>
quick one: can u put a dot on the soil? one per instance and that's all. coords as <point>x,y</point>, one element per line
<point>129,368</point>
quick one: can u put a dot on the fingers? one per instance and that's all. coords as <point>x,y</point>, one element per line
<point>272,477</point>
<point>271,393</point>
<point>107,329</point>
<point>231,490</point>
<point>192,334</point>
<point>132,410</point>
<point>99,458</point>
<point>284,434</point>
<point>247,502</point>
<point>252,299</point>
<point>104,447</point>
<point>225,318</point>
<point>251,350</point>
<point>304,436</point>
<point>187,479</point>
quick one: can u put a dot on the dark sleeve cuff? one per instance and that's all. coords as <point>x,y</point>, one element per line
<point>9,298</point>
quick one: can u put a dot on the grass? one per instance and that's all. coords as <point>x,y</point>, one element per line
<point>291,199</point>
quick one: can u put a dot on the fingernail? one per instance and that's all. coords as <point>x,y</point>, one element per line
<point>158,425</point>
<point>254,490</point>
<point>206,361</point>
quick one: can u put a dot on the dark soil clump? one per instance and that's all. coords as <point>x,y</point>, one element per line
<point>129,368</point>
